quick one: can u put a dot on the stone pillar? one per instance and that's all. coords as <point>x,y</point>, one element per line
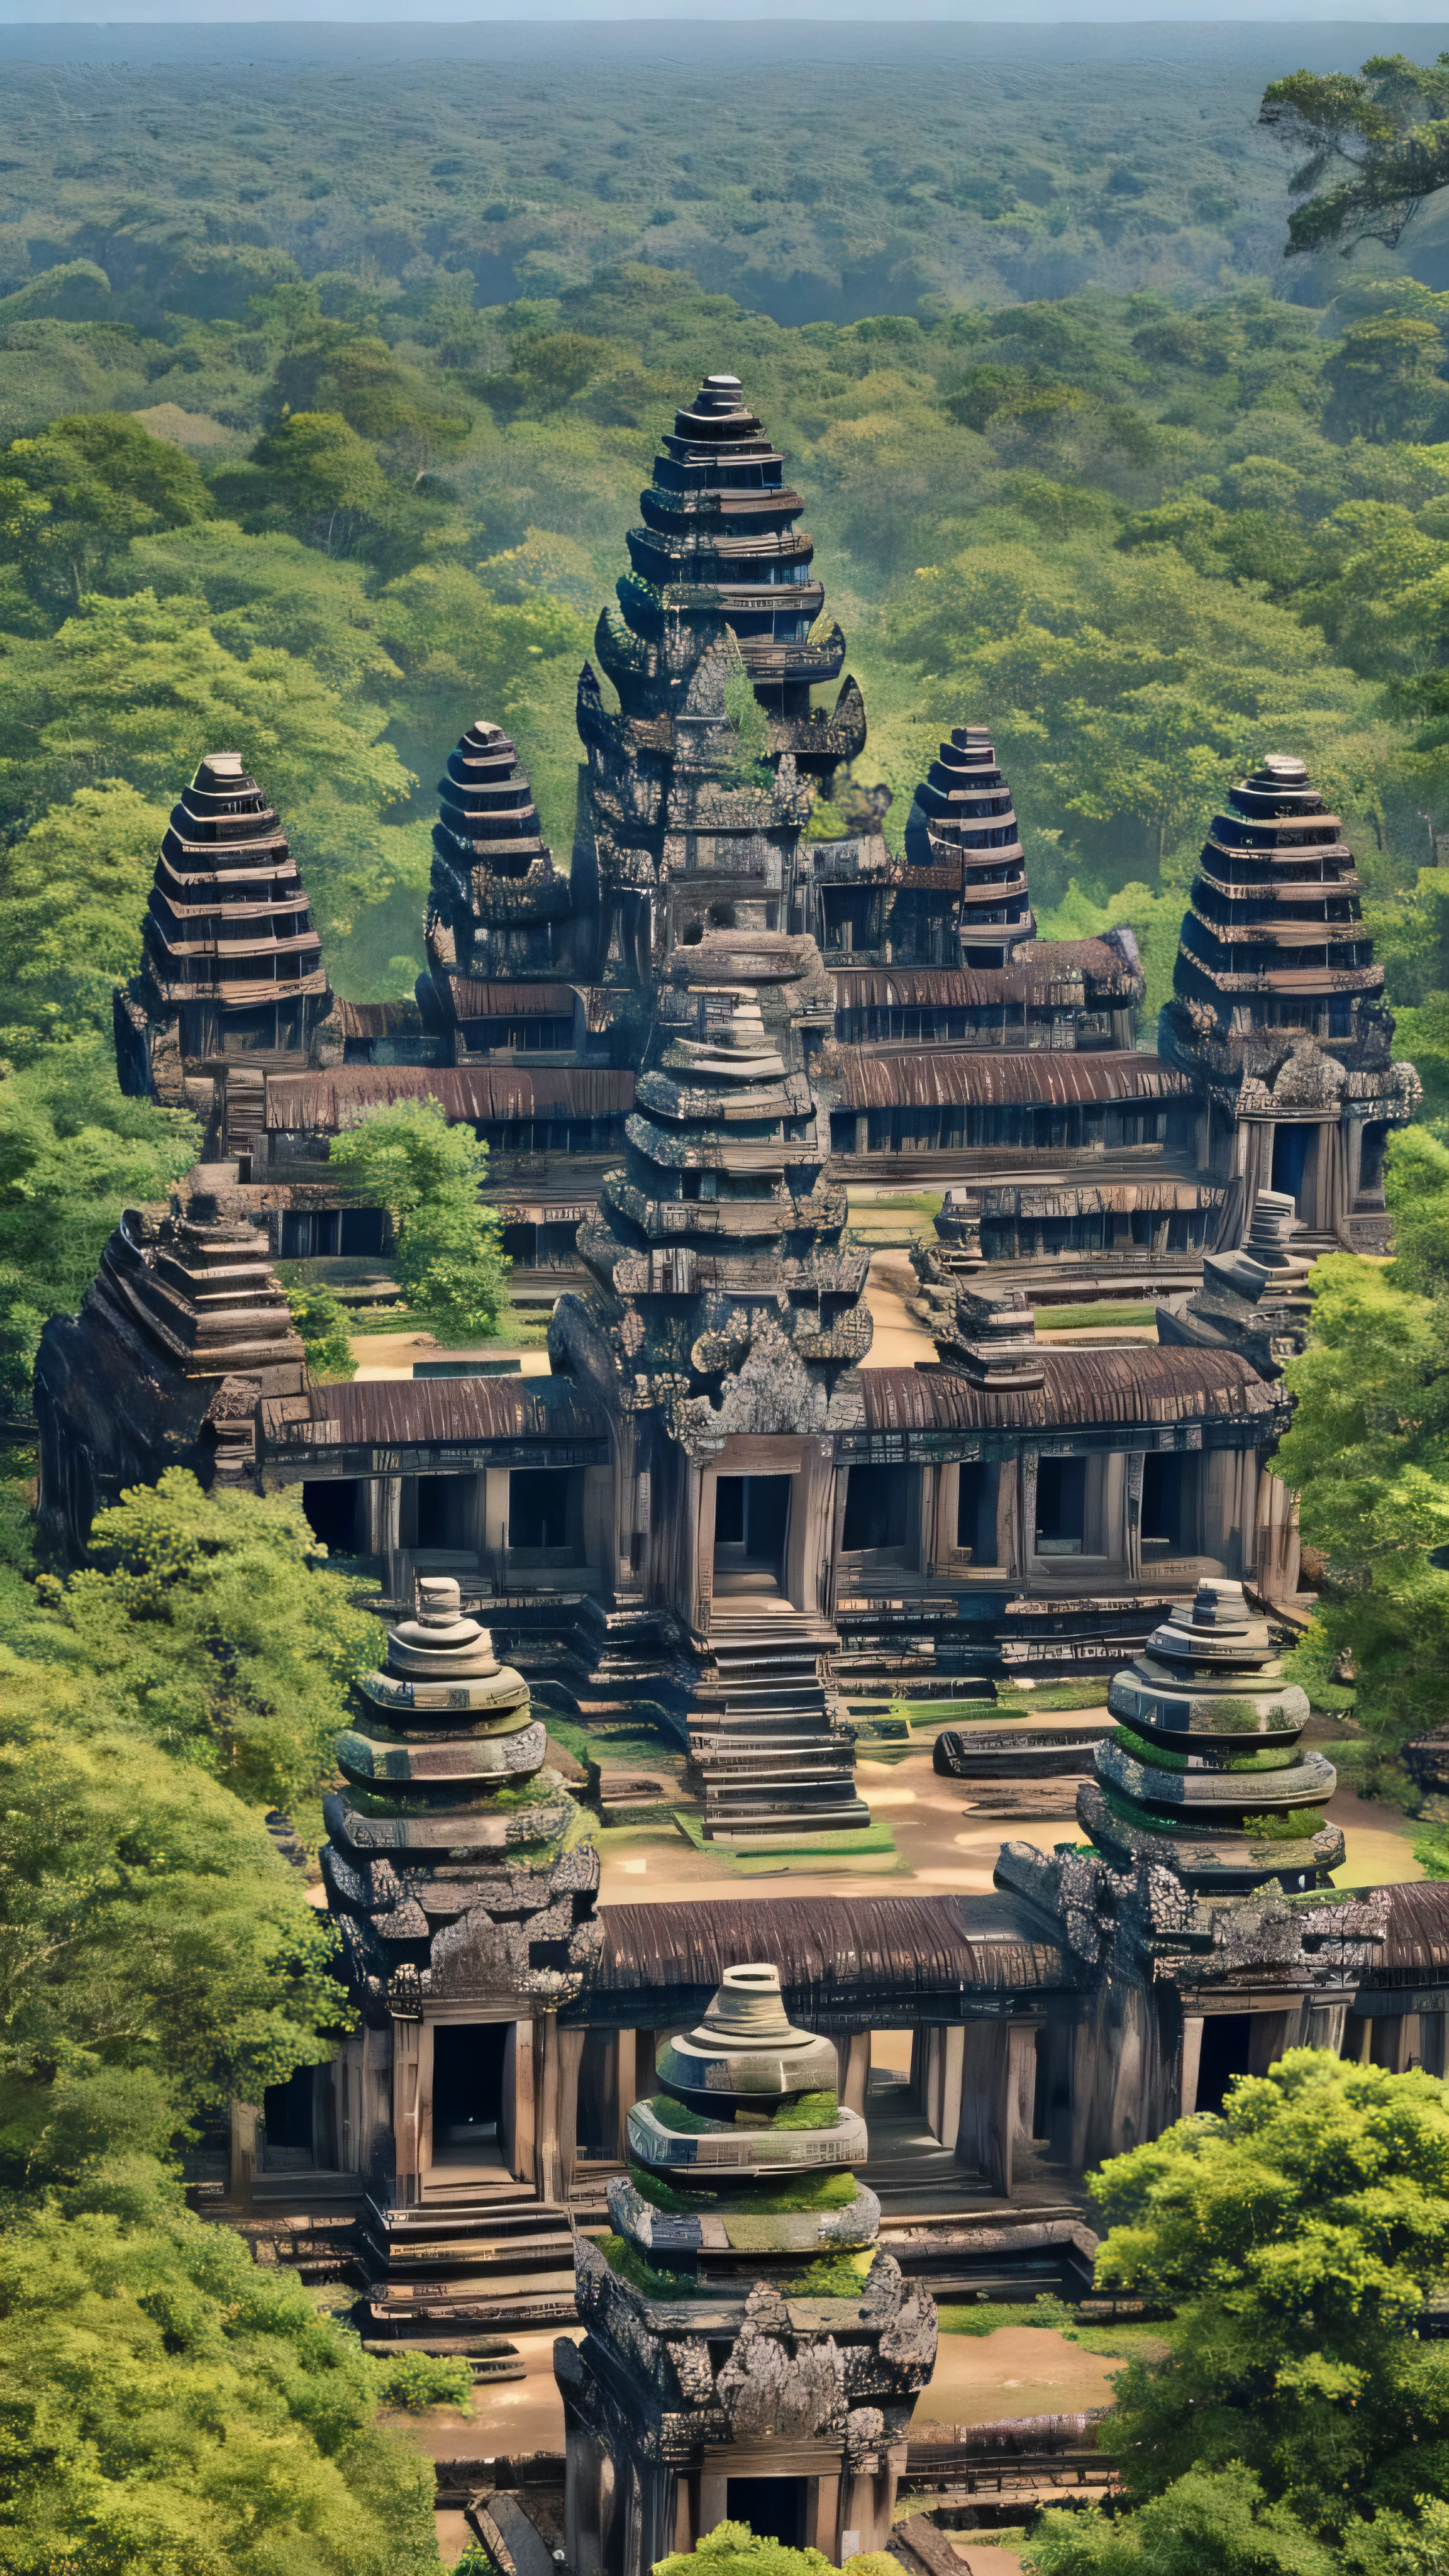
<point>407,2034</point>
<point>243,2153</point>
<point>1191,2064</point>
<point>1326,2028</point>
<point>852,2050</point>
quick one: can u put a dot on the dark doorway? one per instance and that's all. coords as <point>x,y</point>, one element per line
<point>1164,1513</point>
<point>287,2116</point>
<point>538,1507</point>
<point>441,1507</point>
<point>1290,1159</point>
<point>361,1231</point>
<point>467,2082</point>
<point>774,2508</point>
<point>1226,2038</point>
<point>877,1507</point>
<point>331,1507</point>
<point>1061,1506</point>
<point>751,1516</point>
<point>976,1499</point>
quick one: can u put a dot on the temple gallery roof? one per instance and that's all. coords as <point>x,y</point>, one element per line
<point>323,1103</point>
<point>1134,1383</point>
<point>1044,1079</point>
<point>1047,964</point>
<point>450,1413</point>
<point>840,1958</point>
<point>1417,1949</point>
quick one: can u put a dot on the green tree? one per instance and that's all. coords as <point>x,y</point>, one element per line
<point>139,689</point>
<point>325,1327</point>
<point>1384,379</point>
<point>72,499</point>
<point>311,476</point>
<point>73,893</point>
<point>733,2549</point>
<point>1368,1456</point>
<point>172,2410</point>
<point>1376,144</point>
<point>214,1632</point>
<point>157,1954</point>
<point>73,1153</point>
<point>427,1175</point>
<point>1298,2418</point>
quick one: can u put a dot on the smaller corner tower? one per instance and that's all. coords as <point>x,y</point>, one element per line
<point>1277,1013</point>
<point>232,962</point>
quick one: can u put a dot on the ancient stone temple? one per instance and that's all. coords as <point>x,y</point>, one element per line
<point>182,1337</point>
<point>699,787</point>
<point>499,929</point>
<point>1278,1015</point>
<point>464,1887</point>
<point>1205,1775</point>
<point>723,1336</point>
<point>232,964</point>
<point>751,2353</point>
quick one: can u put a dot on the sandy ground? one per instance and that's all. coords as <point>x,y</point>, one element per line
<point>1019,2370</point>
<point>381,1355</point>
<point>939,1847</point>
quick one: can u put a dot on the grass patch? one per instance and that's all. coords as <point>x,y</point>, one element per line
<point>1082,1319</point>
<point>835,2190</point>
<point>835,2276</point>
<point>1127,2342</point>
<point>1156,1757</point>
<point>984,2316</point>
<point>1091,1694</point>
<point>839,1845</point>
<point>629,2263</point>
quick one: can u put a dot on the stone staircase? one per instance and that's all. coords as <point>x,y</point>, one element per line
<point>766,1742</point>
<point>470,2256</point>
<point>245,1116</point>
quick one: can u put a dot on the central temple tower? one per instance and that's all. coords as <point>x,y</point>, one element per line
<point>701,784</point>
<point>722,1335</point>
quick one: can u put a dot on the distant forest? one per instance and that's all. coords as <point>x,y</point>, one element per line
<point>327,392</point>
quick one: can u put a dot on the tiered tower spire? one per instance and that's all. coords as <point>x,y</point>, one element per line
<point>963,829</point>
<point>452,1818</point>
<point>1205,1775</point>
<point>1274,935</point>
<point>231,962</point>
<point>498,911</point>
<point>719,516</point>
<point>1277,1012</point>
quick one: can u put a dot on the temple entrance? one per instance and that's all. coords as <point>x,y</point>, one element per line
<point>751,1517</point>
<point>1061,1506</point>
<point>330,1504</point>
<point>1292,1164</point>
<point>1170,1488</point>
<point>1226,2046</point>
<point>878,1510</point>
<point>467,2090</point>
<point>774,2508</point>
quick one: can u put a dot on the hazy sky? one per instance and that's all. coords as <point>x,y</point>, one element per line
<point>109,14</point>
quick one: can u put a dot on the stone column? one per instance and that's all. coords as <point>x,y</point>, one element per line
<point>407,2036</point>
<point>243,2153</point>
<point>1191,2064</point>
<point>853,2053</point>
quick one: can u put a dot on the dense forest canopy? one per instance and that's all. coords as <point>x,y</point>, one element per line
<point>327,394</point>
